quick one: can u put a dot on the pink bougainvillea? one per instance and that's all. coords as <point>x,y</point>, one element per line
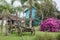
<point>50,24</point>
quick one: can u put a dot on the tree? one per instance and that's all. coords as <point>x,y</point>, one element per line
<point>29,6</point>
<point>30,16</point>
<point>50,8</point>
<point>5,10</point>
<point>39,8</point>
<point>23,6</point>
<point>46,8</point>
<point>5,13</point>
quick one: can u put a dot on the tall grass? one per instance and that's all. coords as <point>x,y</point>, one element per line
<point>58,37</point>
<point>27,35</point>
<point>46,36</point>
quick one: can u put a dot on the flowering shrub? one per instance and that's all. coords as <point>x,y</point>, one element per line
<point>50,25</point>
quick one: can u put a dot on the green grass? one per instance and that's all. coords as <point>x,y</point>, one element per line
<point>27,36</point>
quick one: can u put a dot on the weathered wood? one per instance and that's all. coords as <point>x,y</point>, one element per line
<point>28,29</point>
<point>16,24</point>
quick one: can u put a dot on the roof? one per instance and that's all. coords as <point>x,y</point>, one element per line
<point>13,17</point>
<point>28,9</point>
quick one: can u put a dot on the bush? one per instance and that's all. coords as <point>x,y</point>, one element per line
<point>50,25</point>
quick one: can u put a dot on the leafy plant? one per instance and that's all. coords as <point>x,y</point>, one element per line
<point>50,25</point>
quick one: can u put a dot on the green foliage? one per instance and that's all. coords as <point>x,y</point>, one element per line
<point>5,6</point>
<point>46,7</point>
<point>58,16</point>
<point>23,1</point>
<point>27,35</point>
<point>50,8</point>
<point>12,1</point>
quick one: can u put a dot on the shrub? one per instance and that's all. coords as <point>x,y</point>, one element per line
<point>50,25</point>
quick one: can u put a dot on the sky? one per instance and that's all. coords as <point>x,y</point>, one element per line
<point>58,4</point>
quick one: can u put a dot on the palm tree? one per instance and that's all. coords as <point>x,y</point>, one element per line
<point>30,8</point>
<point>1,8</point>
<point>18,9</point>
<point>39,8</point>
<point>6,9</point>
<point>29,5</point>
<point>50,8</point>
<point>5,12</point>
<point>23,6</point>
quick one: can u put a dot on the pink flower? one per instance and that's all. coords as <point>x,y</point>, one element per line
<point>50,24</point>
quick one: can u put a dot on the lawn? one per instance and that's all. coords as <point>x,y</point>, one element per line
<point>28,36</point>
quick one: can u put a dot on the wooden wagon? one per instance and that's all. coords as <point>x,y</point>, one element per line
<point>16,23</point>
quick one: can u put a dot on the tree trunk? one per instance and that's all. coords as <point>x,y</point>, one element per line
<point>2,25</point>
<point>16,17</point>
<point>7,30</point>
<point>30,16</point>
<point>24,19</point>
<point>10,26</point>
<point>42,15</point>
